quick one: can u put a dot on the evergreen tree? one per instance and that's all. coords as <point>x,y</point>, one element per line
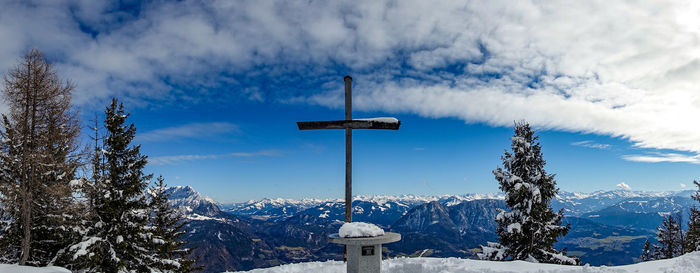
<point>529,230</point>
<point>692,238</point>
<point>656,253</point>
<point>166,224</point>
<point>669,237</point>
<point>647,252</point>
<point>116,238</point>
<point>39,160</point>
<point>681,233</point>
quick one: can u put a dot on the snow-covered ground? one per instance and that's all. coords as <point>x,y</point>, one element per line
<point>11,268</point>
<point>685,264</point>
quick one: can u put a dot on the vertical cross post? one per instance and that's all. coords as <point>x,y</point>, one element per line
<point>348,150</point>
<point>350,124</point>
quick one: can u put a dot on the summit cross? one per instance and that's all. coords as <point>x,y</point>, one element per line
<point>349,124</point>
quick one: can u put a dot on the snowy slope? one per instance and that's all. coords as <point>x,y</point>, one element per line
<point>11,268</point>
<point>686,263</point>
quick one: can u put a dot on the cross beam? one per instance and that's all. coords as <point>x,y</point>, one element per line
<point>349,124</point>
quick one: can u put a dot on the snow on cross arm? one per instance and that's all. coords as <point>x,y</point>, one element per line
<point>359,229</point>
<point>382,119</point>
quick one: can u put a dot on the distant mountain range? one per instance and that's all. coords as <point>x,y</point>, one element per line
<point>607,227</point>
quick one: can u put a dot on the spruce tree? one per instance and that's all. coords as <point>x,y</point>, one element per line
<point>116,238</point>
<point>647,251</point>
<point>692,238</point>
<point>529,230</point>
<point>39,159</point>
<point>656,252</point>
<point>166,224</point>
<point>669,237</point>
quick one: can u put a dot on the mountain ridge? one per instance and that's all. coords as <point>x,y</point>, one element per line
<point>275,231</point>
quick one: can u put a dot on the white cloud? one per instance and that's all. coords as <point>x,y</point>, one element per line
<point>623,69</point>
<point>683,186</point>
<point>176,159</point>
<point>591,144</point>
<point>192,130</point>
<point>624,186</point>
<point>663,157</point>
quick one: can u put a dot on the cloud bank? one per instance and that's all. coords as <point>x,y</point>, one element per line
<point>623,69</point>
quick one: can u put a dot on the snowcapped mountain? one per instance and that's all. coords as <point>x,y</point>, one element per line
<point>577,204</point>
<point>573,203</point>
<point>279,209</point>
<point>272,209</point>
<point>221,240</point>
<point>383,213</point>
<point>661,205</point>
<point>192,202</point>
<point>382,210</point>
<point>642,212</point>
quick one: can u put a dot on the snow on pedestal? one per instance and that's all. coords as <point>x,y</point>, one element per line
<point>359,229</point>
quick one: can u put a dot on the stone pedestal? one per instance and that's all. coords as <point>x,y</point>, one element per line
<point>365,253</point>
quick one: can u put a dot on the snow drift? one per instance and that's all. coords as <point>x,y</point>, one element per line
<point>13,268</point>
<point>686,263</point>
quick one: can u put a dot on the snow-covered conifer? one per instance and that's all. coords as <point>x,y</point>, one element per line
<point>169,253</point>
<point>669,237</point>
<point>647,251</point>
<point>530,228</point>
<point>692,238</point>
<point>115,236</point>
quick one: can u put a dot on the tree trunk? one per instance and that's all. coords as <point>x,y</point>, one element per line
<point>32,156</point>
<point>26,225</point>
<point>26,200</point>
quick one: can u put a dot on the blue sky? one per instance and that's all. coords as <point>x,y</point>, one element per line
<point>260,153</point>
<point>215,88</point>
